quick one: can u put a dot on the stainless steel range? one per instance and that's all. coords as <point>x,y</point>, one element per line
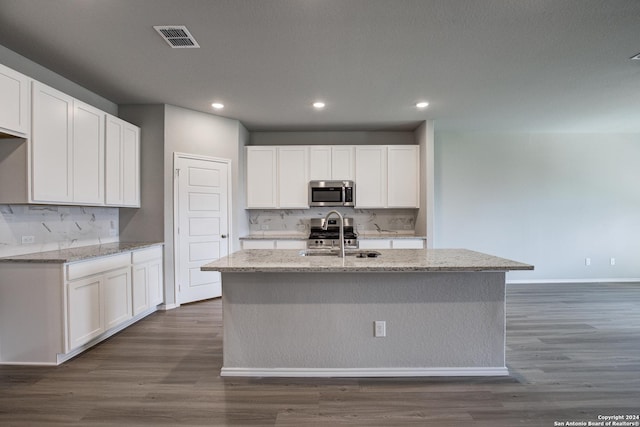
<point>330,238</point>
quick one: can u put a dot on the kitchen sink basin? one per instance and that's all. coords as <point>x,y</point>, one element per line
<point>328,252</point>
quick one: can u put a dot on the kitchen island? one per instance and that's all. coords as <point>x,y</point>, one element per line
<point>290,315</point>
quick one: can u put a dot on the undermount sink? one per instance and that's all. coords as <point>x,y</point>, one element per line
<point>329,252</point>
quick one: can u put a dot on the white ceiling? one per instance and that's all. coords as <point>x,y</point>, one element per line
<point>486,65</point>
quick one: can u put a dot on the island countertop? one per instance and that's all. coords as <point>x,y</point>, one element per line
<point>396,260</point>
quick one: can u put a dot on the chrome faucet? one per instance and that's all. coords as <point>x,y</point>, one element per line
<point>326,224</point>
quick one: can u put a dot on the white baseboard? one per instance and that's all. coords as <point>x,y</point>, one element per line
<point>165,307</point>
<point>364,372</point>
<point>604,280</point>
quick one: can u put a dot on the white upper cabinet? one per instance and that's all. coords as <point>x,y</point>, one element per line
<point>343,162</point>
<point>293,177</point>
<point>371,176</point>
<point>262,177</point>
<point>331,162</point>
<point>88,154</point>
<point>15,102</point>
<point>387,176</point>
<point>403,173</point>
<point>319,162</point>
<point>277,177</point>
<point>122,174</point>
<point>51,145</point>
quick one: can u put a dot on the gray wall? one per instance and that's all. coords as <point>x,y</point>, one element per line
<point>29,68</point>
<point>551,200</point>
<point>192,132</point>
<point>165,130</point>
<point>333,138</point>
<point>146,223</point>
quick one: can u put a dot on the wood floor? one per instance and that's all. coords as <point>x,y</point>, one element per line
<point>573,351</point>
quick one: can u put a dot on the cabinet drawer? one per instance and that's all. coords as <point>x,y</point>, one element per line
<point>258,244</point>
<point>291,244</point>
<point>144,255</point>
<point>96,266</point>
<point>374,244</point>
<point>408,243</point>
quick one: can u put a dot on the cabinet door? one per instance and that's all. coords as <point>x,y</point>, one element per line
<point>155,282</point>
<point>293,177</point>
<point>404,176</point>
<point>320,162</point>
<point>343,162</point>
<point>84,311</point>
<point>51,137</point>
<point>14,102</point>
<point>114,129</point>
<point>88,155</point>
<point>371,176</point>
<point>117,297</point>
<point>122,180</point>
<point>261,177</point>
<point>140,289</point>
<point>131,165</point>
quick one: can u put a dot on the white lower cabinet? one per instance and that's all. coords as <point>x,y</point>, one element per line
<point>147,279</point>
<point>117,297</point>
<point>52,312</point>
<point>84,311</point>
<point>417,243</point>
<point>274,244</point>
<point>98,297</point>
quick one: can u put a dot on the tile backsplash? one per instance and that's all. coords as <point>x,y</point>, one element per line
<point>55,227</point>
<point>296,221</point>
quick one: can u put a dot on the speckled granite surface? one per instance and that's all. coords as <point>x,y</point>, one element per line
<point>361,236</point>
<point>425,260</point>
<point>79,253</point>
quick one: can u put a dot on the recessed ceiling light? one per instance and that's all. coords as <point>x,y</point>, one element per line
<point>319,105</point>
<point>217,105</point>
<point>422,104</point>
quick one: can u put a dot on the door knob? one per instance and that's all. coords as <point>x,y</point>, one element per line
<point>224,236</point>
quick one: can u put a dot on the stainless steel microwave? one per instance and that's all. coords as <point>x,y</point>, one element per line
<point>332,193</point>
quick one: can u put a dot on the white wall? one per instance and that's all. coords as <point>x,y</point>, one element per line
<point>546,199</point>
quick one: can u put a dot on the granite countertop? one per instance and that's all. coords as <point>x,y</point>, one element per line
<point>80,253</point>
<point>361,236</point>
<point>395,260</point>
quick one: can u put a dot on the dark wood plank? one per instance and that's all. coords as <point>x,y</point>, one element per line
<point>573,351</point>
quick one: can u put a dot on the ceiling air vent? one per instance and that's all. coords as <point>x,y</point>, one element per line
<point>177,36</point>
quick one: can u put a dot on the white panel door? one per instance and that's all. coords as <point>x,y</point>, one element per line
<point>202,221</point>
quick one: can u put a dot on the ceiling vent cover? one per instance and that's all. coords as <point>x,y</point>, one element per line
<point>177,36</point>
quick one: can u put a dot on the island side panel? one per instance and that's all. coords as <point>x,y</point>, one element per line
<point>325,320</point>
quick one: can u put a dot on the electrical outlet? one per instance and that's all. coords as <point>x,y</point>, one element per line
<point>587,261</point>
<point>379,328</point>
<point>28,240</point>
<point>612,261</point>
